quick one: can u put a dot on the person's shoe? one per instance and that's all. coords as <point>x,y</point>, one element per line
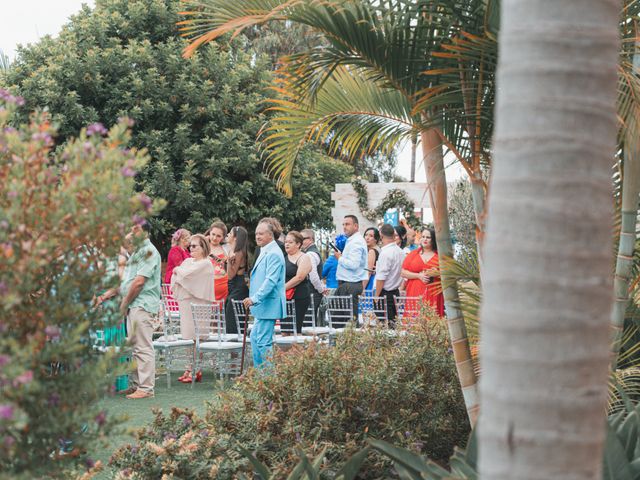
<point>199,376</point>
<point>139,394</point>
<point>187,373</point>
<point>127,391</point>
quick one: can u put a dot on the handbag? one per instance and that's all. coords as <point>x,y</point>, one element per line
<point>290,293</point>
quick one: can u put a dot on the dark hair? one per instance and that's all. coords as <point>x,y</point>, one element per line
<point>387,230</point>
<point>221,226</point>
<point>376,233</point>
<point>297,236</point>
<point>146,226</point>
<point>354,218</point>
<point>432,231</point>
<point>402,233</point>
<point>242,239</point>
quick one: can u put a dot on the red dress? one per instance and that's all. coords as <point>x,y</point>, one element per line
<point>221,279</point>
<point>177,254</point>
<point>431,292</point>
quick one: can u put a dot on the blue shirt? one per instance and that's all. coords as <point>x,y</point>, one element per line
<point>329,271</point>
<point>353,262</point>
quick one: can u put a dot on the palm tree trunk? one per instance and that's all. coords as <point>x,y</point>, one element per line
<point>629,215</point>
<point>437,188</point>
<point>414,148</point>
<point>547,279</point>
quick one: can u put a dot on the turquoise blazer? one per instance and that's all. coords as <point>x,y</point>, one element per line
<point>266,289</point>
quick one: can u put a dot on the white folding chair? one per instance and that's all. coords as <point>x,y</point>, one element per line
<point>310,325</point>
<point>288,332</point>
<point>169,345</point>
<point>340,313</point>
<point>209,338</point>
<point>373,311</point>
<point>407,310</point>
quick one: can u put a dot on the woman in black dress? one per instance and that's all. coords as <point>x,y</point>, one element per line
<point>237,239</point>
<point>298,266</point>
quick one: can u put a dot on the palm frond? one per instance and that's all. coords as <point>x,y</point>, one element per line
<point>351,115</point>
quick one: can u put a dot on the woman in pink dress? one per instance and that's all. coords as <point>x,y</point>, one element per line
<point>178,252</point>
<point>421,269</point>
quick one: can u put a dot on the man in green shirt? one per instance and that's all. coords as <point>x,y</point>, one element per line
<point>140,290</point>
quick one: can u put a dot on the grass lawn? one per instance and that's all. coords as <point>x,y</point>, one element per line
<point>139,412</point>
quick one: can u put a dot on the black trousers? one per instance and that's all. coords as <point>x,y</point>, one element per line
<point>391,305</point>
<point>317,298</point>
<point>350,288</point>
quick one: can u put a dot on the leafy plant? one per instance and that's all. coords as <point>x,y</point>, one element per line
<point>63,214</point>
<point>321,400</point>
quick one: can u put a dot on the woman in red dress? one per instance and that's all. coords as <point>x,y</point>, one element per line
<point>421,269</point>
<point>219,257</point>
<point>178,252</point>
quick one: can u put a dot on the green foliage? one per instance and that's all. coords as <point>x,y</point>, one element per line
<point>62,216</point>
<point>395,198</point>
<point>198,118</point>
<point>332,400</point>
<point>462,216</point>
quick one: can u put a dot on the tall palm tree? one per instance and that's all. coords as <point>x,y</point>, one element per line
<point>547,280</point>
<point>359,93</point>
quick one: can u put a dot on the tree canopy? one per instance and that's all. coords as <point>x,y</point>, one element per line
<point>198,117</point>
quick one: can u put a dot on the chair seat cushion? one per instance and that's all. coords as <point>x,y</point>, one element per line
<point>289,340</point>
<point>220,346</point>
<point>315,330</point>
<point>162,343</point>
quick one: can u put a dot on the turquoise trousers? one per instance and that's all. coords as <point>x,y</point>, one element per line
<point>262,341</point>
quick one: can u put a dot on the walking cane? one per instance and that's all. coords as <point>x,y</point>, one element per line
<point>244,342</point>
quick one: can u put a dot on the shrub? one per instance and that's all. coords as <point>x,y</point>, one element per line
<point>61,216</point>
<point>403,390</point>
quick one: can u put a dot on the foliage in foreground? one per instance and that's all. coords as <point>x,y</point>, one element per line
<point>61,216</point>
<point>332,400</point>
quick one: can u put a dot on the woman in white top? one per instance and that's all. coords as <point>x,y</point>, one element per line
<point>193,282</point>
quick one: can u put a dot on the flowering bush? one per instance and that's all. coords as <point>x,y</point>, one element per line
<point>62,215</point>
<point>403,390</point>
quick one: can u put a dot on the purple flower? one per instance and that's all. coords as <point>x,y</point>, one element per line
<point>170,436</point>
<point>3,288</point>
<point>298,437</point>
<point>134,449</point>
<point>89,462</point>
<point>8,441</point>
<point>127,172</point>
<point>12,194</point>
<point>87,147</point>
<point>407,434</point>
<point>96,128</point>
<point>7,97</point>
<point>23,379</point>
<point>145,201</point>
<point>4,359</point>
<point>128,121</point>
<point>270,407</point>
<point>54,400</point>
<point>138,220</point>
<point>42,137</point>
<point>204,433</point>
<point>101,418</point>
<point>53,332</point>
<point>6,411</point>
<point>186,421</point>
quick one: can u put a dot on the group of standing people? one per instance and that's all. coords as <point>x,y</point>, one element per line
<point>211,267</point>
<point>380,263</point>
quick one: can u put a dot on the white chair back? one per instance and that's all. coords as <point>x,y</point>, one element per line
<point>208,321</point>
<point>373,310</point>
<point>242,316</point>
<point>340,311</point>
<point>407,310</point>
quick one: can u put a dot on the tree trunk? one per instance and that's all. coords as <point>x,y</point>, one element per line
<point>437,188</point>
<point>414,148</point>
<point>629,215</point>
<point>478,196</point>
<point>547,279</point>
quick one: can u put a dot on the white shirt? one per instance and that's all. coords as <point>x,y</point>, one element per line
<point>353,262</point>
<point>313,274</point>
<point>389,266</point>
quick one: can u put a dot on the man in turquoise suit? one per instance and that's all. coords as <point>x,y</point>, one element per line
<point>266,293</point>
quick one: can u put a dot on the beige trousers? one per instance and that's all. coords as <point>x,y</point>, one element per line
<point>140,331</point>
